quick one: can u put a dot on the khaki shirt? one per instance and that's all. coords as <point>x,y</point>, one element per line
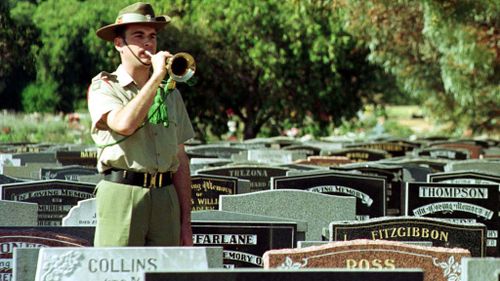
<point>152,148</point>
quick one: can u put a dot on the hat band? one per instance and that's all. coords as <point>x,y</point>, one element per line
<point>134,17</point>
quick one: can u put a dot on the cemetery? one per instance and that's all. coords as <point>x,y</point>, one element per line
<point>411,216</point>
<point>260,140</point>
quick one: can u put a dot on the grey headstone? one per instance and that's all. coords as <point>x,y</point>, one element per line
<point>83,214</point>
<point>121,263</point>
<point>224,216</point>
<point>484,269</point>
<point>36,157</point>
<point>24,266</point>
<point>315,208</point>
<point>275,156</point>
<point>70,173</point>
<point>29,171</point>
<point>214,150</point>
<point>196,164</point>
<point>488,166</point>
<point>18,213</point>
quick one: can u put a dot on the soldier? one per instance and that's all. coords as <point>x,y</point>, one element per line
<point>145,197</point>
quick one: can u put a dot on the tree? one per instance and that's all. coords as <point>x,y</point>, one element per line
<point>444,52</point>
<point>275,61</point>
<point>17,67</point>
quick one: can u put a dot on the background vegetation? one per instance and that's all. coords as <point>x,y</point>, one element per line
<point>273,65</point>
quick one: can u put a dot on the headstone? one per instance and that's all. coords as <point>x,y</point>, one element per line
<point>196,164</point>
<point>463,203</point>
<point>54,197</point>
<point>244,242</point>
<point>223,216</point>
<point>18,214</point>
<point>488,166</point>
<point>393,175</point>
<point>309,150</point>
<point>317,209</point>
<point>274,156</point>
<point>214,151</point>
<point>370,191</point>
<point>206,190</point>
<point>6,179</point>
<point>358,154</point>
<point>12,238</point>
<point>36,157</point>
<point>69,173</point>
<point>325,161</point>
<point>82,158</point>
<point>444,153</point>
<point>484,269</point>
<point>7,160</point>
<point>435,164</point>
<point>121,263</point>
<point>30,171</point>
<point>258,175</point>
<point>474,151</point>
<point>438,232</point>
<point>393,148</point>
<point>467,177</point>
<point>83,214</point>
<point>438,264</point>
<point>95,179</point>
<point>288,275</point>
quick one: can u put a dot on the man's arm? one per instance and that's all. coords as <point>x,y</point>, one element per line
<point>182,183</point>
<point>127,119</point>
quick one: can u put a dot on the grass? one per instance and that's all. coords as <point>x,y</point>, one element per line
<point>44,128</point>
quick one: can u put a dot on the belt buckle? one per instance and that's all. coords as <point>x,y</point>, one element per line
<point>152,181</point>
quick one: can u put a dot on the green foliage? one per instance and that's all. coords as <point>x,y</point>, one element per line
<point>40,97</point>
<point>445,53</point>
<point>16,67</point>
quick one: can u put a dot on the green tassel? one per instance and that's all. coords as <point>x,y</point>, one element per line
<point>158,113</point>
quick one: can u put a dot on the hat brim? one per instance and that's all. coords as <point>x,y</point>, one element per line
<point>108,32</point>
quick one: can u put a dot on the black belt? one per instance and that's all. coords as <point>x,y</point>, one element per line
<point>146,180</point>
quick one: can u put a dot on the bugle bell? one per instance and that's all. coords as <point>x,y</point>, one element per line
<point>181,67</point>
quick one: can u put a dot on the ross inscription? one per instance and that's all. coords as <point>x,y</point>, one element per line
<point>368,264</point>
<point>452,192</point>
<point>416,232</point>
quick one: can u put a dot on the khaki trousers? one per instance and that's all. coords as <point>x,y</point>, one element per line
<point>130,215</point>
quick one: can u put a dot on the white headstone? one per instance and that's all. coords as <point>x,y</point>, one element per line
<point>120,263</point>
<point>83,214</point>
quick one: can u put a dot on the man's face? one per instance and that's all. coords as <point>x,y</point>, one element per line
<point>139,38</point>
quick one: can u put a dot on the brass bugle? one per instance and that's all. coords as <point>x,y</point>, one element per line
<point>181,67</point>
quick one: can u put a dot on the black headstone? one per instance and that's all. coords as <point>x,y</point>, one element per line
<point>440,233</point>
<point>244,243</point>
<point>39,237</point>
<point>206,190</point>
<point>82,158</point>
<point>259,176</point>
<point>370,191</point>
<point>289,275</point>
<point>456,202</point>
<point>54,197</point>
